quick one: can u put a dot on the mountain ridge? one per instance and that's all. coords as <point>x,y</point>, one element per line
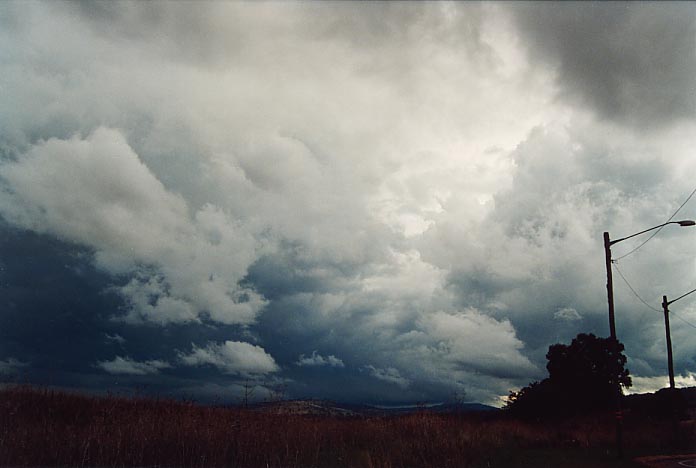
<point>319,407</point>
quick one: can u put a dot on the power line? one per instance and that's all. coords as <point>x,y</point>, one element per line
<point>618,270</point>
<point>659,229</point>
<point>683,320</point>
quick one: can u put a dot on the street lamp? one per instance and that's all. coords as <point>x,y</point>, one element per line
<point>607,254</point>
<point>612,324</point>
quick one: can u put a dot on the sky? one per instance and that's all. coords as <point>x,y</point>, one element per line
<point>365,202</point>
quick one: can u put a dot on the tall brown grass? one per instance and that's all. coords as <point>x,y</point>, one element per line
<point>43,427</point>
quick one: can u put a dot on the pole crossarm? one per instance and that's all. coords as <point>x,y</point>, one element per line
<point>681,223</point>
<point>680,297</point>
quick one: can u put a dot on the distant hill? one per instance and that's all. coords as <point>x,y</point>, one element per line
<point>309,407</point>
<point>462,408</point>
<point>332,408</point>
<point>658,404</point>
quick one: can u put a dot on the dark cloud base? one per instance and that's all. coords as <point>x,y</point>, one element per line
<point>59,316</point>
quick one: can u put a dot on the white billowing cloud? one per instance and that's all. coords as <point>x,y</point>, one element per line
<point>94,191</point>
<point>317,360</point>
<point>541,242</point>
<point>468,341</point>
<point>127,366</point>
<point>567,314</point>
<point>97,192</point>
<point>466,350</point>
<point>401,317</point>
<point>232,357</point>
<point>149,302</point>
<point>389,374</point>
<point>11,365</point>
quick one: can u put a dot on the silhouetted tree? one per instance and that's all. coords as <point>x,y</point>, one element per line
<point>585,375</point>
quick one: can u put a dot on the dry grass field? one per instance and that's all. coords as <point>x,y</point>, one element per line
<point>42,427</point>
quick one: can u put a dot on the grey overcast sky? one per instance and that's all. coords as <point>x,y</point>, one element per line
<point>376,202</point>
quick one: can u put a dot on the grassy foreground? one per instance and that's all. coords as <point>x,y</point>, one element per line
<point>41,427</point>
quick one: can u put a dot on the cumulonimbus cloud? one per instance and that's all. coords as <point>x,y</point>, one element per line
<point>424,204</point>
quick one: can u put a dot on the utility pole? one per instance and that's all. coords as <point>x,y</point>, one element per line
<point>670,367</point>
<point>612,331</point>
<point>670,362</point>
<point>248,392</point>
<point>610,285</point>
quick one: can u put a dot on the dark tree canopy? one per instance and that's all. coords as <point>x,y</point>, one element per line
<point>584,375</point>
<point>588,362</point>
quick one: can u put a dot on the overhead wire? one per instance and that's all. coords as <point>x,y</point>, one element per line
<point>618,270</point>
<point>683,320</point>
<point>659,229</point>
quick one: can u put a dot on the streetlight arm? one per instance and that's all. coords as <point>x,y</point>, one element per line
<point>683,295</point>
<point>681,223</point>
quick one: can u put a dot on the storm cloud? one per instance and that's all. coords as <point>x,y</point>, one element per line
<point>377,201</point>
<point>628,63</point>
